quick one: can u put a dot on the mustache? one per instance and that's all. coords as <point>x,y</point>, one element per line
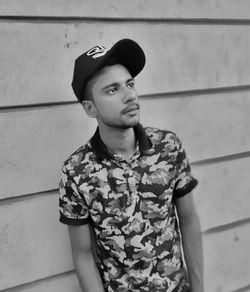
<point>131,107</point>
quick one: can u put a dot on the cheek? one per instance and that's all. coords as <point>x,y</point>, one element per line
<point>105,111</point>
<point>108,108</point>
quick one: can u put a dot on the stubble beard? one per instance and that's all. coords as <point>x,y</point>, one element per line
<point>123,124</point>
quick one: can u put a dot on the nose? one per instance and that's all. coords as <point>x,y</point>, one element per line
<point>130,95</point>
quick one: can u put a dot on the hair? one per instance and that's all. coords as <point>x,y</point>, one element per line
<point>87,92</point>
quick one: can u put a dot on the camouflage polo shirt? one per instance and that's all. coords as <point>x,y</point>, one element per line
<point>131,208</point>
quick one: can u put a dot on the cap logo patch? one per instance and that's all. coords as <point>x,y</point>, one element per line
<point>97,52</point>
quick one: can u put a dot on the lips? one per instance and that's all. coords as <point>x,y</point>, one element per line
<point>130,108</point>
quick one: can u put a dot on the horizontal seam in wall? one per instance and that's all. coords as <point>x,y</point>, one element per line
<point>35,107</point>
<point>220,159</point>
<point>201,91</point>
<point>177,20</point>
<point>224,227</point>
<point>242,289</point>
<point>25,197</point>
<point>213,160</point>
<point>162,95</point>
<point>36,282</point>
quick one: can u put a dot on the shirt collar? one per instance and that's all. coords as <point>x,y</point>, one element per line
<point>102,151</point>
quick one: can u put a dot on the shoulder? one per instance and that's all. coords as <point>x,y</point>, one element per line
<point>79,158</point>
<point>160,136</point>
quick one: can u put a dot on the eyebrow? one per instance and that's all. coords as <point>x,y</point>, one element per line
<point>117,83</point>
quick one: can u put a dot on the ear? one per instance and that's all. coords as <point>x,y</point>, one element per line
<point>89,108</point>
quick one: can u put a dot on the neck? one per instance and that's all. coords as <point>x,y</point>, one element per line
<point>119,141</point>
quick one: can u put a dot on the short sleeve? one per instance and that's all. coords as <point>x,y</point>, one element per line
<point>72,206</point>
<point>185,182</point>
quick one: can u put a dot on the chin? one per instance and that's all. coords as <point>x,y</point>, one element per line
<point>130,124</point>
<point>122,124</point>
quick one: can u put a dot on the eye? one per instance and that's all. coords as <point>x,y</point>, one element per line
<point>131,84</point>
<point>111,90</point>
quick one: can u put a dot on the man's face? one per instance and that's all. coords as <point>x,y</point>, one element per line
<point>114,98</point>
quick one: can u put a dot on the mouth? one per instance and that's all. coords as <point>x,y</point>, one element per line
<point>130,109</point>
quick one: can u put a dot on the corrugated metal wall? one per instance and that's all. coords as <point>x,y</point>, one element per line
<point>196,83</point>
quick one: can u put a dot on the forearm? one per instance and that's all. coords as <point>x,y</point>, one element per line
<point>87,272</point>
<point>193,252</point>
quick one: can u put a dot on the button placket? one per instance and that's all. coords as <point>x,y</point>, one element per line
<point>131,181</point>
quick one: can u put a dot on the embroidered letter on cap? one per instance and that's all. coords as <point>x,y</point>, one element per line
<point>97,52</point>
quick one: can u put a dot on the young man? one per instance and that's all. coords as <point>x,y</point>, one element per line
<point>126,195</point>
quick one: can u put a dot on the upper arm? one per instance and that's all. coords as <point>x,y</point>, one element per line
<point>80,237</point>
<point>186,208</point>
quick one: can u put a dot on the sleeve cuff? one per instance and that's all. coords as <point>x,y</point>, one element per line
<point>73,222</point>
<point>178,193</point>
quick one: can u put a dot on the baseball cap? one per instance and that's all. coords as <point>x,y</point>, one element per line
<point>126,51</point>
